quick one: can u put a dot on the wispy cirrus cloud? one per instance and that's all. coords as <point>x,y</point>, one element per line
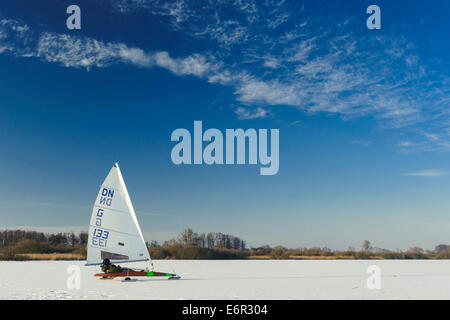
<point>421,141</point>
<point>405,144</point>
<point>288,56</point>
<point>84,52</point>
<point>251,113</point>
<point>364,143</point>
<point>196,65</point>
<point>77,52</point>
<point>307,64</point>
<point>431,173</point>
<point>274,54</point>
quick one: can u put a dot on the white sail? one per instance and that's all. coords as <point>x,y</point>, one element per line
<point>114,231</point>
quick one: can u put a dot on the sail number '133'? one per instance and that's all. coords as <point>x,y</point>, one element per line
<point>100,237</point>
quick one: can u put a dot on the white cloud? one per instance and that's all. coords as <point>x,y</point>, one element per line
<point>405,144</point>
<point>252,90</point>
<point>431,173</point>
<point>301,51</point>
<point>315,68</point>
<point>226,34</point>
<point>224,77</point>
<point>84,52</point>
<point>280,19</point>
<point>249,114</point>
<point>431,136</point>
<point>271,62</point>
<point>193,65</point>
<point>14,37</point>
<point>309,66</point>
<point>364,143</point>
<point>78,52</point>
<point>177,10</point>
<point>135,56</point>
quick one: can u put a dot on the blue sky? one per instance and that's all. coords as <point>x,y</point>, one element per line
<point>363,117</point>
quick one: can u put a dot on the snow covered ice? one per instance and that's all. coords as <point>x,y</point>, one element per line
<point>234,279</point>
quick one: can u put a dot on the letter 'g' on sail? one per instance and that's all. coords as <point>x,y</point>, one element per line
<point>114,231</point>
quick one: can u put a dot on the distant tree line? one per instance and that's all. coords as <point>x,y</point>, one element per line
<point>11,237</point>
<point>14,244</point>
<point>211,240</point>
<point>367,251</point>
<point>193,245</point>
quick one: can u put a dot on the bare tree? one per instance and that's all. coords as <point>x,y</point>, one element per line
<point>366,245</point>
<point>210,243</point>
<point>186,237</point>
<point>83,236</point>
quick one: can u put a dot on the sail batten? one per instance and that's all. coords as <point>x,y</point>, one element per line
<point>114,231</point>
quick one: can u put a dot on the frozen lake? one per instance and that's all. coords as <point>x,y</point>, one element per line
<point>234,279</point>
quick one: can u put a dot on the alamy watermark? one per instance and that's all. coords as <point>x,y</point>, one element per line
<point>235,140</point>
<point>74,20</point>
<point>374,280</point>
<point>374,20</point>
<point>73,281</point>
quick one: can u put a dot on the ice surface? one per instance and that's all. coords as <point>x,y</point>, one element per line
<point>234,279</point>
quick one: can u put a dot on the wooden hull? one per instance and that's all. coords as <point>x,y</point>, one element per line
<point>135,274</point>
